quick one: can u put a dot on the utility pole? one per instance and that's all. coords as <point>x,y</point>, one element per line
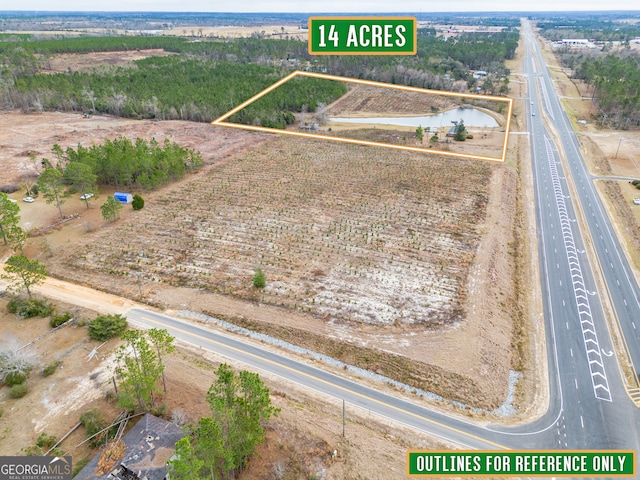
<point>344,418</point>
<point>618,148</point>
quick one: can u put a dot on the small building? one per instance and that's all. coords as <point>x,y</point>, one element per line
<point>575,42</point>
<point>479,74</point>
<point>123,197</point>
<point>148,446</point>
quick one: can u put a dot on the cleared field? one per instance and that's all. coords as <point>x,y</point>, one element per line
<point>349,233</point>
<point>367,100</point>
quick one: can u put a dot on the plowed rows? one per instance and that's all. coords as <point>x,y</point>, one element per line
<point>365,99</point>
<point>346,232</point>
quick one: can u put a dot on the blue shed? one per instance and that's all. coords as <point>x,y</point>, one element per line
<point>123,197</point>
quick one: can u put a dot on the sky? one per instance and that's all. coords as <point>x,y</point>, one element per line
<point>322,6</point>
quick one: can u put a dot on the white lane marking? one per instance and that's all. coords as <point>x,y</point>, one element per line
<point>596,367</point>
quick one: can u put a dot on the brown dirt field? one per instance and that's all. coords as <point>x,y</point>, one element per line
<point>270,31</point>
<point>217,144</point>
<point>366,100</point>
<point>77,62</point>
<point>309,428</point>
<point>402,340</point>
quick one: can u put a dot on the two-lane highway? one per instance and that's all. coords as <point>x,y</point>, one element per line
<point>589,404</point>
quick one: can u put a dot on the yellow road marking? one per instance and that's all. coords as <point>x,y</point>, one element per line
<point>262,359</point>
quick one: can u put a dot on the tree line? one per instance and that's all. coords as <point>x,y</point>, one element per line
<point>596,28</point>
<point>208,78</point>
<point>172,87</point>
<point>614,83</point>
<point>120,162</point>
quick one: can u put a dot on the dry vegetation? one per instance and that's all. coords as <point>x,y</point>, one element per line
<point>348,233</point>
<point>309,212</point>
<point>365,100</point>
<point>359,240</point>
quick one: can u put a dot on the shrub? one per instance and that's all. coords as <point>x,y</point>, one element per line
<point>32,451</point>
<point>104,327</point>
<point>46,441</point>
<point>50,368</point>
<point>635,182</point>
<point>259,280</point>
<point>19,391</point>
<point>137,203</point>
<point>29,307</point>
<point>15,378</point>
<point>93,422</point>
<point>469,136</point>
<point>58,320</point>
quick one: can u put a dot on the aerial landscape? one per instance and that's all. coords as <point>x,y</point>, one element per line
<point>225,256</point>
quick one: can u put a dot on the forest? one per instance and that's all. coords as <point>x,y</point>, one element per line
<point>615,88</point>
<point>207,78</point>
<point>611,72</point>
<point>122,163</point>
<point>597,28</point>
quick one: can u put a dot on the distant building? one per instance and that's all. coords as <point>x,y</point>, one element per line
<point>148,446</point>
<point>575,41</point>
<point>479,74</point>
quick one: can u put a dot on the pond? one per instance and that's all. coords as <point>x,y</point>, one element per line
<point>471,117</point>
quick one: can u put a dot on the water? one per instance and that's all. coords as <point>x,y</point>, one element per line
<point>471,117</point>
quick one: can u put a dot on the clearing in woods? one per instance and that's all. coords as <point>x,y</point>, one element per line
<point>485,138</point>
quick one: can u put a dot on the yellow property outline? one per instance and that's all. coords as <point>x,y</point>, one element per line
<point>509,101</point>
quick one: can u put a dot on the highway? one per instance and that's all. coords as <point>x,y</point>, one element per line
<point>597,407</point>
<point>591,405</point>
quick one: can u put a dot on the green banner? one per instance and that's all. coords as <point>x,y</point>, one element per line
<point>362,36</point>
<point>554,463</point>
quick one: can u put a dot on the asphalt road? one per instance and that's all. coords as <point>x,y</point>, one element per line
<point>591,407</point>
<point>598,411</point>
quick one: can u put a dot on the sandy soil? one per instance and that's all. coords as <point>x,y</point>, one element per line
<point>22,134</point>
<point>33,133</point>
<point>300,441</point>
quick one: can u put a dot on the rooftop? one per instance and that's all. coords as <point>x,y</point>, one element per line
<point>148,446</point>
